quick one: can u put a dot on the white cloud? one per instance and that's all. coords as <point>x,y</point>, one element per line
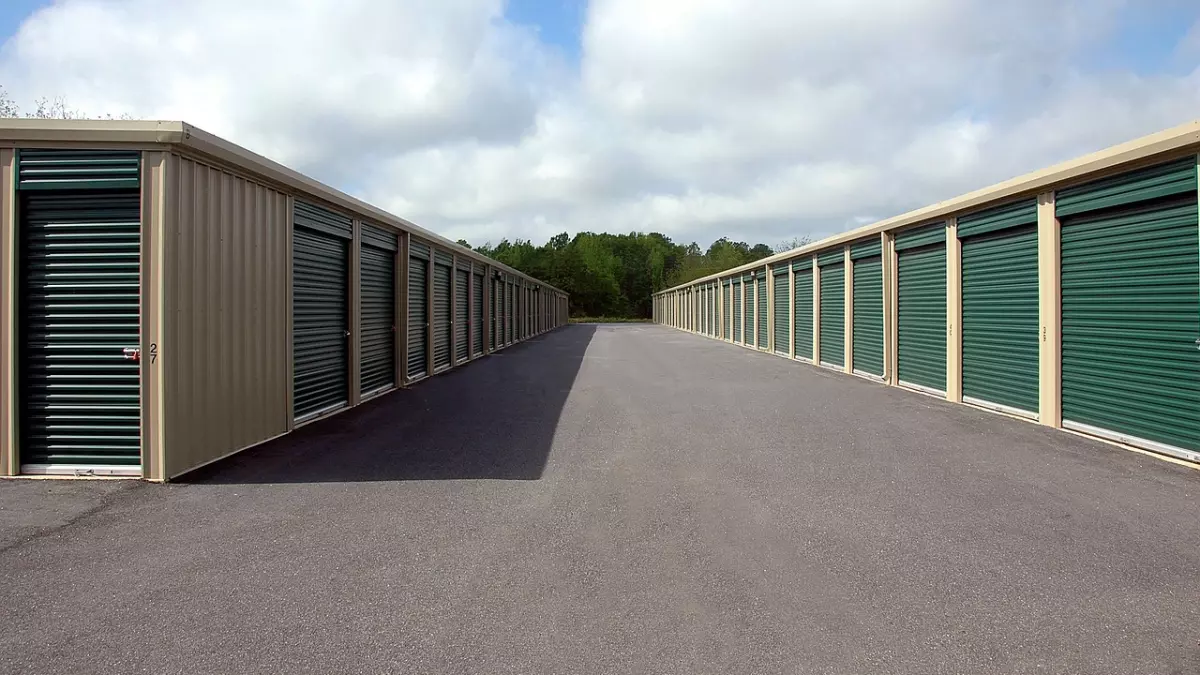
<point>697,118</point>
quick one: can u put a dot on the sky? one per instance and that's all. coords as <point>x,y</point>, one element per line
<point>756,120</point>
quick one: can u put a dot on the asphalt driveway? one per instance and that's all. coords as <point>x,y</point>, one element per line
<point>620,499</point>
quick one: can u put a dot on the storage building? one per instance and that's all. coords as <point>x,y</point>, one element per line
<point>169,298</point>
<point>1069,296</point>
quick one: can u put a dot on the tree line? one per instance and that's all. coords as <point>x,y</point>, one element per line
<point>615,275</point>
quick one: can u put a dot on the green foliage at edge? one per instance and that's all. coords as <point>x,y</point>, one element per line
<point>615,275</point>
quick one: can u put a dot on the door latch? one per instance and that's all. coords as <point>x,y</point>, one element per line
<point>1197,343</point>
<point>132,353</point>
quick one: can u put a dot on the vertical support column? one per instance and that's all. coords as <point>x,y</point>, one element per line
<point>953,312</point>
<point>401,308</point>
<point>891,304</point>
<point>792,310</point>
<point>154,185</point>
<point>9,461</point>
<point>356,314</point>
<point>816,268</point>
<point>1050,313</point>
<point>848,319</point>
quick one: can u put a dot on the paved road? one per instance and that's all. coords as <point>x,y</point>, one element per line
<point>633,500</point>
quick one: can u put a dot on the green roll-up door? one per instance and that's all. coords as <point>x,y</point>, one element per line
<point>921,320</point>
<point>442,328</point>
<point>1000,308</point>
<point>867,347</point>
<point>727,307</point>
<point>377,301</point>
<point>78,312</point>
<point>802,313</point>
<point>761,297</point>
<point>494,324</point>
<point>477,314</point>
<point>509,330</point>
<point>1131,319</point>
<point>737,311</point>
<point>783,312</point>
<point>418,310</point>
<point>833,314</point>
<point>462,314</point>
<point>320,321</point>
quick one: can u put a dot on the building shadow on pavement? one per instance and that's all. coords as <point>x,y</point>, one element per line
<point>491,419</point>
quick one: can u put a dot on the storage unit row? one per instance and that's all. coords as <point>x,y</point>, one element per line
<point>1070,297</point>
<point>169,299</point>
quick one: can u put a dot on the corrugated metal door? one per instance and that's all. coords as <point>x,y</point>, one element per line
<point>1131,308</point>
<point>320,310</point>
<point>509,329</point>
<point>78,312</point>
<point>803,311</point>
<point>442,328</point>
<point>727,306</point>
<point>921,321</point>
<point>377,302</point>
<point>418,309</point>
<point>462,314</point>
<point>867,346</point>
<point>1000,308</point>
<point>737,311</point>
<point>783,311</point>
<point>477,314</point>
<point>833,313</point>
<point>761,297</point>
<point>496,314</point>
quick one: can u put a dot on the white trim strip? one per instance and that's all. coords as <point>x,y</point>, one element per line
<point>1181,453</point>
<point>921,388</point>
<point>868,376</point>
<point>1000,408</point>
<point>81,470</point>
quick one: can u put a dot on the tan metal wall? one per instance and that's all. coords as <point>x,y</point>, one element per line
<point>226,302</point>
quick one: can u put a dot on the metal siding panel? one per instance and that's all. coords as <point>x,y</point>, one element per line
<point>1003,217</point>
<point>70,169</point>
<point>79,309</point>
<point>1155,182</point>
<point>1130,320</point>
<point>462,316</point>
<point>783,313</point>
<point>834,257</point>
<point>477,314</point>
<point>802,313</point>
<point>378,318</point>
<point>496,313</point>
<point>866,249</point>
<point>225,365</point>
<point>921,321</point>
<point>804,263</point>
<point>319,219</point>
<point>320,322</point>
<point>1000,318</point>
<point>418,316</point>
<point>379,238</point>
<point>761,296</point>
<point>867,347</point>
<point>925,235</point>
<point>833,314</point>
<point>442,337</point>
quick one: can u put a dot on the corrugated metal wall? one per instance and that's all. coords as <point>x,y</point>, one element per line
<point>226,290</point>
